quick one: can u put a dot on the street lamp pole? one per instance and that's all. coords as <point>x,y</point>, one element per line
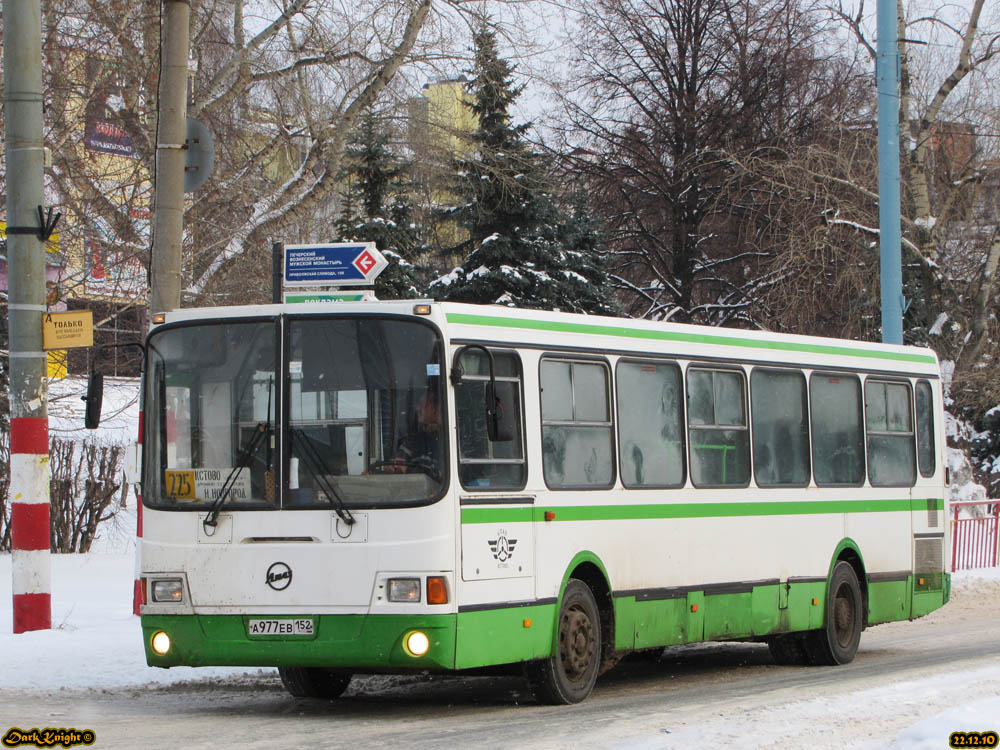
<point>171,134</point>
<point>890,254</point>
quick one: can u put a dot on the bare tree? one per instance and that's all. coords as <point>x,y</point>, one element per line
<point>668,92</point>
<point>311,82</point>
<point>949,174</point>
<point>280,83</point>
<point>822,275</point>
<point>826,194</point>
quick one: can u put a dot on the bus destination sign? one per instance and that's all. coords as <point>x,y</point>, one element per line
<point>334,264</point>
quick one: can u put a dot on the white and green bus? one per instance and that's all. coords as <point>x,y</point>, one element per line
<point>344,488</point>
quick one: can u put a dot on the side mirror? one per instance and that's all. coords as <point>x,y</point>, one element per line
<point>94,399</point>
<point>501,414</point>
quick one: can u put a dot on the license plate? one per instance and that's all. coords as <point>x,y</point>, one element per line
<point>280,627</point>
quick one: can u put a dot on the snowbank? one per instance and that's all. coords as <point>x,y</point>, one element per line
<point>95,641</point>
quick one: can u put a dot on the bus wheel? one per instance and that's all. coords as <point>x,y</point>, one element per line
<point>837,641</point>
<point>314,682</point>
<point>569,674</point>
<point>788,649</point>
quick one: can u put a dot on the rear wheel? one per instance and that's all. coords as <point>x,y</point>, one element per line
<point>314,682</point>
<point>788,649</point>
<point>837,641</point>
<point>569,674</point>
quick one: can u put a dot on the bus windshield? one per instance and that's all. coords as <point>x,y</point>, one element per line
<point>352,418</point>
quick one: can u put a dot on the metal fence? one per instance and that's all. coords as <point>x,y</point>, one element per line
<point>974,541</point>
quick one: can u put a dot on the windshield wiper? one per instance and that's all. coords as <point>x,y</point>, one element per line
<point>317,470</point>
<point>260,434</point>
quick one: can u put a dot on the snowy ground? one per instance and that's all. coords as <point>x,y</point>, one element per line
<point>92,624</point>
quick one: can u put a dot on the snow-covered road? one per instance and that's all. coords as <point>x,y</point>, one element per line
<point>911,684</point>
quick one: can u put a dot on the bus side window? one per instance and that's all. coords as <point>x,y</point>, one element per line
<point>577,435</point>
<point>717,426</point>
<point>837,430</point>
<point>925,429</point>
<point>483,463</point>
<point>780,428</point>
<point>891,459</point>
<point>650,423</point>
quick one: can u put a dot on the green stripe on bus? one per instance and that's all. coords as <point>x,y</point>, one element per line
<point>509,634</point>
<point>697,510</point>
<point>594,329</point>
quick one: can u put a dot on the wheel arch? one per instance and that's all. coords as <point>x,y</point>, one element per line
<point>849,551</point>
<point>588,567</point>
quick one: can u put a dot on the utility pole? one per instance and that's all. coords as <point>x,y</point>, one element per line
<point>171,133</point>
<point>31,570</point>
<point>890,253</point>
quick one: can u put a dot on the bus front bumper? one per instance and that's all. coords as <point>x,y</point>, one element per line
<point>361,642</point>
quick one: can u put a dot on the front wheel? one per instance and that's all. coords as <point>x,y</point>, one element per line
<point>569,674</point>
<point>837,641</point>
<point>314,682</point>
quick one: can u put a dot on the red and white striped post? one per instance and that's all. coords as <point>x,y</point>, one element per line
<point>29,484</point>
<point>26,232</point>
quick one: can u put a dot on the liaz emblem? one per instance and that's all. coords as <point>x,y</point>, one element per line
<point>279,576</point>
<point>502,547</point>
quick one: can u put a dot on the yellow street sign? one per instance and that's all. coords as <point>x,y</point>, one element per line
<point>68,330</point>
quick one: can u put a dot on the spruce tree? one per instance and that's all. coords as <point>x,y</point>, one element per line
<point>516,252</point>
<point>376,209</point>
<point>585,258</point>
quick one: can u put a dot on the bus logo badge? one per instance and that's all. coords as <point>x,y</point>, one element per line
<point>502,547</point>
<point>279,576</point>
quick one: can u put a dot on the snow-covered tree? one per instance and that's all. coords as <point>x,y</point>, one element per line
<point>516,252</point>
<point>586,257</point>
<point>376,209</point>
<point>656,97</point>
<point>280,85</point>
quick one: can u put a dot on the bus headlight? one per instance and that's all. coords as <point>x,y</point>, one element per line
<point>404,589</point>
<point>416,643</point>
<point>160,643</point>
<point>168,590</point>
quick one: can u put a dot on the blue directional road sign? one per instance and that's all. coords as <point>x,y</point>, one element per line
<point>334,264</point>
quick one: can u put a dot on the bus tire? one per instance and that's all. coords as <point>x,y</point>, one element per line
<point>837,641</point>
<point>788,649</point>
<point>569,674</point>
<point>314,682</point>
